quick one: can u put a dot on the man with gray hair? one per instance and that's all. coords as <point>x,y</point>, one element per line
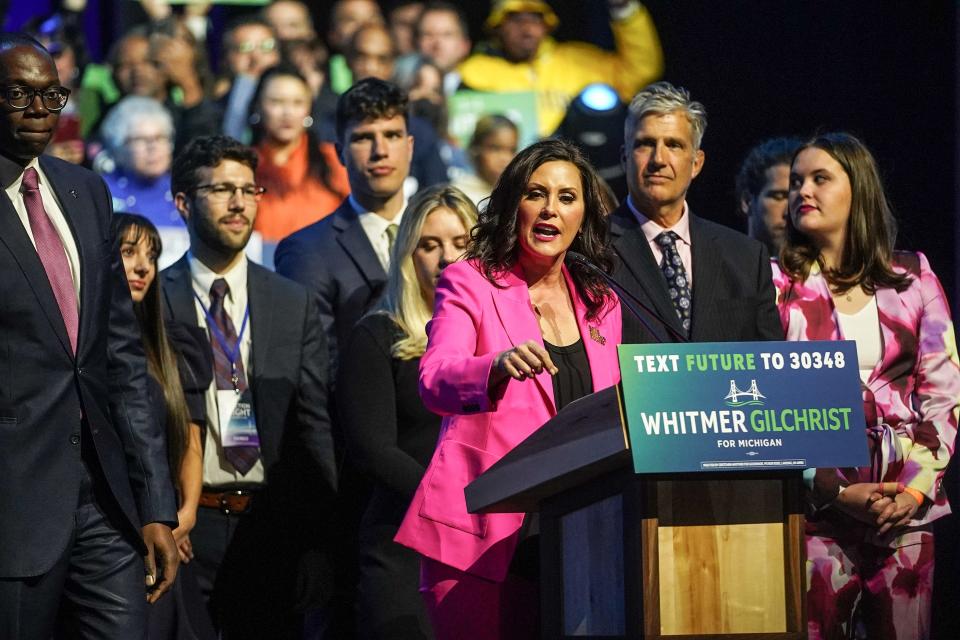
<point>707,283</point>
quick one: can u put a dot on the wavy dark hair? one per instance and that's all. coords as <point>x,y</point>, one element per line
<point>370,99</point>
<point>871,229</point>
<point>203,152</point>
<point>161,358</point>
<point>495,241</point>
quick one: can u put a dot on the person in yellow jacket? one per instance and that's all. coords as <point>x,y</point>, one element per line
<point>523,56</point>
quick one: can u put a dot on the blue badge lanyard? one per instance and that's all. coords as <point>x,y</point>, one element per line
<point>232,354</point>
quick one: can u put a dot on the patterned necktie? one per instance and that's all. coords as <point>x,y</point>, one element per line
<point>676,275</point>
<point>229,376</point>
<point>52,254</point>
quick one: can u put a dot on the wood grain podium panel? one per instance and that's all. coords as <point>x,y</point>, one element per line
<point>722,579</point>
<point>721,556</point>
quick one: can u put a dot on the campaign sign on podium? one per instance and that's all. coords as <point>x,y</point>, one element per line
<point>742,406</point>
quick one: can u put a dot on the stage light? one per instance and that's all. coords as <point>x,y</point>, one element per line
<point>599,97</point>
<point>594,120</point>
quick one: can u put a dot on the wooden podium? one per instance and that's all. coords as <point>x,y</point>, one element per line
<point>705,555</point>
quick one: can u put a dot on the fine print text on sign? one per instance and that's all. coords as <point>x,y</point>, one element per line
<point>742,406</point>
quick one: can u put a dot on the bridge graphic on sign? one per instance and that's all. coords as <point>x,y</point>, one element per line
<point>752,395</point>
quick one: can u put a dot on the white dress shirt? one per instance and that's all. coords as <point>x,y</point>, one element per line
<point>375,226</point>
<point>651,230</point>
<point>54,211</point>
<point>217,470</point>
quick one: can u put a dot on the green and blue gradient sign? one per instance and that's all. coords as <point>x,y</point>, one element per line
<point>743,406</point>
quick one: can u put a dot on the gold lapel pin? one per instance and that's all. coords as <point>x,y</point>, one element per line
<point>596,337</point>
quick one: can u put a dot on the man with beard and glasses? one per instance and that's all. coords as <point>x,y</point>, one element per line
<point>268,467</point>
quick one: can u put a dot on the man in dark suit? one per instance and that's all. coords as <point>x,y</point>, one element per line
<point>268,465</point>
<point>86,489</point>
<point>344,257</point>
<point>708,283</point>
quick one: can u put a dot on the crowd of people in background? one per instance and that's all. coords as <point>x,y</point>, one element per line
<point>276,83</point>
<point>349,310</point>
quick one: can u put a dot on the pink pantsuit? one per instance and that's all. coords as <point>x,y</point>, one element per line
<point>474,321</point>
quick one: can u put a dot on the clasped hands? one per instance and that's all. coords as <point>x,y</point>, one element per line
<point>877,506</point>
<point>525,360</point>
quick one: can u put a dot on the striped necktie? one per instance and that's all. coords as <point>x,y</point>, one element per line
<point>229,375</point>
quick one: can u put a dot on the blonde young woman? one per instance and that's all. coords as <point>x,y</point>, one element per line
<point>389,433</point>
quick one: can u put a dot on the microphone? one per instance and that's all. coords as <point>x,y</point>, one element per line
<point>629,300</point>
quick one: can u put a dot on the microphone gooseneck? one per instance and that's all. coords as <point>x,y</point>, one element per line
<point>629,300</point>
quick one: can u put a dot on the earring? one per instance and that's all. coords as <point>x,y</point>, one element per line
<point>254,118</point>
<point>308,122</point>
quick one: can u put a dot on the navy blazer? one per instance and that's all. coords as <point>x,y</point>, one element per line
<point>45,388</point>
<point>334,259</point>
<point>733,297</point>
<point>288,382</point>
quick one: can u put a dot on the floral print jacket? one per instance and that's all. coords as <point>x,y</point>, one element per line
<point>911,397</point>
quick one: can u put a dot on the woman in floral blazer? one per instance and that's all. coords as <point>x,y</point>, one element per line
<point>869,539</point>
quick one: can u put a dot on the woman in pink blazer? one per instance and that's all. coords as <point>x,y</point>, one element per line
<point>515,335</point>
<point>869,539</point>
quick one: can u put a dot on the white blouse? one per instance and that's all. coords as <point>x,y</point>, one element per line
<point>864,327</point>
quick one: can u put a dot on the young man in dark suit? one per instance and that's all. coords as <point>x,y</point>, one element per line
<point>86,489</point>
<point>268,465</point>
<point>344,258</point>
<point>708,283</point>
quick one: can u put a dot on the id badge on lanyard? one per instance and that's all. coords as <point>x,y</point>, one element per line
<point>238,423</point>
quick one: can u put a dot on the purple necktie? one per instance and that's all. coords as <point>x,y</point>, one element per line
<point>52,254</point>
<point>242,458</point>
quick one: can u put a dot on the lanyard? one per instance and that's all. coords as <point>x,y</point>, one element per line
<point>232,354</point>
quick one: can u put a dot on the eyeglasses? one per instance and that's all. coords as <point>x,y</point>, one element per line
<point>53,98</point>
<point>223,191</point>
<point>266,46</point>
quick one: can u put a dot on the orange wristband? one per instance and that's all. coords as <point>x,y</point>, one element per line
<point>916,495</point>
